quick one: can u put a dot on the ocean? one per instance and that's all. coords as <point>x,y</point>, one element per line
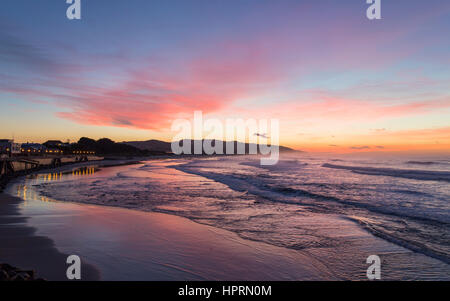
<point>317,205</point>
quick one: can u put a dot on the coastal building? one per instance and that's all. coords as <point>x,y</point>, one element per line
<point>32,148</point>
<point>53,151</point>
<point>56,144</point>
<point>8,147</point>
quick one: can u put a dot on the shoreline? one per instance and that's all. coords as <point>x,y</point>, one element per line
<point>44,258</point>
<point>106,162</point>
<point>149,217</point>
<point>41,253</point>
<point>110,161</point>
<point>170,247</point>
<point>20,236</point>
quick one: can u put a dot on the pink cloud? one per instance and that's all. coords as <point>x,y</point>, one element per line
<point>326,108</point>
<point>226,70</point>
<point>150,98</point>
<point>125,107</point>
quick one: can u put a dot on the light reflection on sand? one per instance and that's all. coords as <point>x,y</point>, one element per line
<point>132,245</point>
<point>335,247</point>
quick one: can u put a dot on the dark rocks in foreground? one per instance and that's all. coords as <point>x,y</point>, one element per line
<point>10,273</point>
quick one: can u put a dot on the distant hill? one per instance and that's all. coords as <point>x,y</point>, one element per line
<point>151,145</point>
<point>162,146</point>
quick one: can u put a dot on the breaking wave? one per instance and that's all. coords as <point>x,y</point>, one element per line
<point>424,175</point>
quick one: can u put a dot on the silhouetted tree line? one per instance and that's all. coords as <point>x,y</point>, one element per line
<point>104,146</point>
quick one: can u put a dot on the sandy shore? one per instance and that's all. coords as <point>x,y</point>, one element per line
<point>125,244</point>
<point>38,233</point>
<point>21,246</point>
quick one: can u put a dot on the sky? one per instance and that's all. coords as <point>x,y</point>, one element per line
<point>335,80</point>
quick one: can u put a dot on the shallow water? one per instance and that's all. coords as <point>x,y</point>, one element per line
<point>300,204</point>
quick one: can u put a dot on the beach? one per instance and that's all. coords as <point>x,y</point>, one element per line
<point>187,219</point>
<point>23,248</point>
<point>166,247</point>
<point>225,140</point>
<point>39,235</point>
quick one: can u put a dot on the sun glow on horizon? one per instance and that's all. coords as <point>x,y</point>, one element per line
<point>336,81</point>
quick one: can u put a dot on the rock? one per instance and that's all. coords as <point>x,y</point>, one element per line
<point>3,275</point>
<point>10,273</point>
<point>31,274</point>
<point>18,277</point>
<point>6,267</point>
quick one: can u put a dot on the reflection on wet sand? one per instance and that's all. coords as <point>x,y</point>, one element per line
<point>27,193</point>
<point>295,207</point>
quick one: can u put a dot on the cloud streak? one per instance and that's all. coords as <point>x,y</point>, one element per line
<point>329,76</point>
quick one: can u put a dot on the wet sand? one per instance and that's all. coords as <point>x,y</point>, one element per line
<point>164,247</point>
<point>126,244</point>
<point>23,248</point>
